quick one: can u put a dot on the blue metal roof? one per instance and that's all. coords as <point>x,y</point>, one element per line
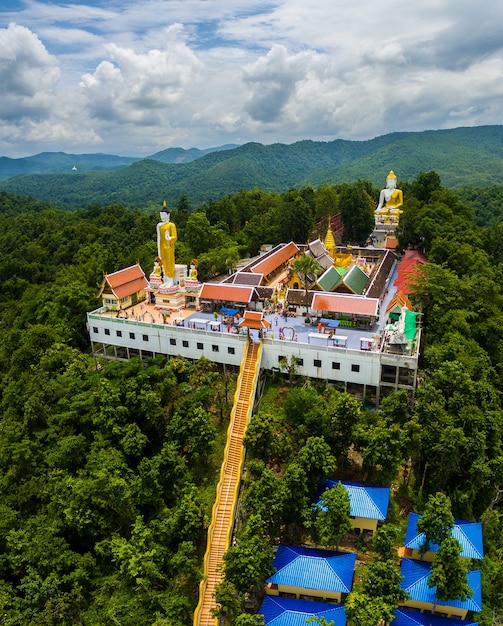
<point>291,612</point>
<point>406,617</point>
<point>415,582</point>
<point>313,569</point>
<point>365,500</point>
<point>469,535</point>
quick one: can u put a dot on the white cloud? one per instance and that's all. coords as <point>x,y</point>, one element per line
<point>273,79</point>
<point>26,68</point>
<point>141,88</point>
<point>132,78</point>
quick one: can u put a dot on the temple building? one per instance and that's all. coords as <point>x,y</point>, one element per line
<point>346,322</point>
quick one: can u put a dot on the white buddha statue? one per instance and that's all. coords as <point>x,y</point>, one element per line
<point>390,200</point>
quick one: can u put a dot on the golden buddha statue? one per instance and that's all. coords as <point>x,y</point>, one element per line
<point>166,238</point>
<point>390,200</point>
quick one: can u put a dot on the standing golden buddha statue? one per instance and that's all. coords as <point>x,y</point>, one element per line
<point>166,238</point>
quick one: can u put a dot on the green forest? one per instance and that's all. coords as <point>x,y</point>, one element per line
<point>461,156</point>
<point>108,477</point>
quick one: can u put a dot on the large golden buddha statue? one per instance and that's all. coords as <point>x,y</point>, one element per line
<point>166,238</point>
<point>390,200</point>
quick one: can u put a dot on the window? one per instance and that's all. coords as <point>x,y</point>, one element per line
<point>118,333</point>
<point>281,359</point>
<point>405,376</point>
<point>231,350</point>
<point>388,374</point>
<point>300,362</point>
<point>107,331</point>
<point>317,363</point>
<point>355,367</point>
<point>214,348</point>
<point>200,346</point>
<point>336,365</point>
<point>95,330</point>
<point>185,343</point>
<point>131,335</point>
<point>145,337</point>
<point>172,341</point>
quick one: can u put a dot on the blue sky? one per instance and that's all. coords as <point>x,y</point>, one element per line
<point>134,77</point>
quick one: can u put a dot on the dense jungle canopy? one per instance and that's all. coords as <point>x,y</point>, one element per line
<point>107,477</point>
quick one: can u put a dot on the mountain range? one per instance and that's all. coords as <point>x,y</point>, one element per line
<point>466,156</point>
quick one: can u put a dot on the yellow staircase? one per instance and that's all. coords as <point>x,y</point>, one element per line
<point>219,532</point>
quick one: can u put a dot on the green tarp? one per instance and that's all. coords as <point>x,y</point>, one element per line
<point>410,324</point>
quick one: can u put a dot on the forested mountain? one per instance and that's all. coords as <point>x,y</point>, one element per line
<point>60,162</point>
<point>63,163</point>
<point>107,477</point>
<point>462,157</point>
<point>180,155</point>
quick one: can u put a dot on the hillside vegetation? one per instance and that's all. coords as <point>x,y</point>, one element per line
<point>462,157</point>
<point>107,477</point>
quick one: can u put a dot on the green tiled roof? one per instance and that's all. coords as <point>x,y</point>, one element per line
<point>330,279</point>
<point>356,280</point>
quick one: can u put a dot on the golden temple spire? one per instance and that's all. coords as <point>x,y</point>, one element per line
<point>330,241</point>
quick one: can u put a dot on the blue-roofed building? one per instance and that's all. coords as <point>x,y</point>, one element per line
<point>469,535</point>
<point>407,617</point>
<point>422,597</point>
<point>369,504</point>
<point>312,572</point>
<point>293,612</point>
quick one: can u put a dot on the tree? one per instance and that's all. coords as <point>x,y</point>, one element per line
<point>262,496</point>
<point>317,460</point>
<point>245,619</point>
<point>362,610</point>
<point>320,621</point>
<point>384,541</point>
<point>436,521</point>
<point>305,411</point>
<point>304,266</point>
<point>332,519</point>
<point>248,563</point>
<point>382,447</point>
<point>290,365</point>
<point>327,201</point>
<point>228,600</point>
<point>382,579</point>
<point>344,413</point>
<point>425,184</point>
<point>297,219</point>
<point>198,233</point>
<point>357,211</point>
<point>449,573</point>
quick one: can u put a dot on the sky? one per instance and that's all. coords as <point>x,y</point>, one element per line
<point>133,77</point>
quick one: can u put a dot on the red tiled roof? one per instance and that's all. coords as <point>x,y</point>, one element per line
<point>275,259</point>
<point>415,255</point>
<point>350,305</point>
<point>125,276</point>
<point>408,270</point>
<point>226,293</point>
<point>253,319</point>
<point>123,291</point>
<point>391,243</point>
<point>126,282</point>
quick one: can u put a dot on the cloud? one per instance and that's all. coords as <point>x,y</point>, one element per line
<point>273,79</point>
<point>140,87</point>
<point>28,73</point>
<point>133,78</point>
